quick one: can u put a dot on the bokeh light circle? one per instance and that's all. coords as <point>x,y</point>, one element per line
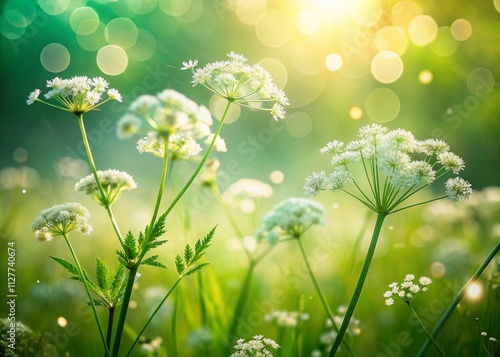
<point>302,89</point>
<point>304,60</point>
<point>53,7</point>
<point>403,12</point>
<point>480,82</point>
<point>438,269</point>
<point>94,41</point>
<point>382,105</point>
<point>445,44</point>
<point>277,69</point>
<point>461,29</point>
<point>425,76</point>
<point>387,67</point>
<point>217,106</point>
<point>84,20</point>
<point>275,29</point>
<point>25,10</point>
<point>16,19</point>
<point>193,14</point>
<point>251,12</point>
<point>355,113</point>
<point>121,32</point>
<point>141,7</point>
<point>299,124</point>
<point>55,58</point>
<point>333,62</point>
<point>10,31</point>
<point>145,47</point>
<point>20,154</point>
<point>276,177</point>
<point>112,60</point>
<point>423,30</point>
<point>308,22</point>
<point>391,38</point>
<point>174,7</point>
<point>365,12</point>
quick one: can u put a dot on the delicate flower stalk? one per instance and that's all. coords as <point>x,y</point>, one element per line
<point>258,346</point>
<point>449,310</point>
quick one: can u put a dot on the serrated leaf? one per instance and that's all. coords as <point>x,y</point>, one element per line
<point>158,228</point>
<point>179,265</point>
<point>188,254</point>
<point>102,274</point>
<point>140,240</point>
<point>116,282</point>
<point>66,265</point>
<point>152,261</point>
<point>156,244</point>
<point>130,246</point>
<point>196,268</point>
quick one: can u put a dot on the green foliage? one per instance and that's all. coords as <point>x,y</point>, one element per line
<point>71,268</point>
<point>110,286</point>
<point>152,260</point>
<point>188,266</point>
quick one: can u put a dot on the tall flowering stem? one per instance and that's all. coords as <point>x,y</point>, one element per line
<point>457,300</point>
<point>87,290</point>
<point>97,180</point>
<point>359,284</point>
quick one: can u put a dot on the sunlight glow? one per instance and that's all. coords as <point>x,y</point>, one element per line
<point>474,291</point>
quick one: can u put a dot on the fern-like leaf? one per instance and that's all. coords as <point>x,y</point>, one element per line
<point>153,261</point>
<point>188,254</point>
<point>196,268</point>
<point>179,264</point>
<point>130,246</point>
<point>102,274</point>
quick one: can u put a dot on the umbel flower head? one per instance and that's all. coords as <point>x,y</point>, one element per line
<point>77,95</point>
<point>256,347</point>
<point>283,318</point>
<point>244,193</point>
<point>291,217</point>
<point>407,290</point>
<point>113,183</point>
<point>61,219</point>
<point>174,119</point>
<point>395,166</point>
<point>243,84</point>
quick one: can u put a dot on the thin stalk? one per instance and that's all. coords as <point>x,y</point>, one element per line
<point>418,204</point>
<point>425,330</point>
<point>87,290</point>
<point>109,332</point>
<point>240,303</point>
<point>98,182</point>
<point>359,286</point>
<point>459,297</point>
<point>162,185</point>
<point>203,308</point>
<point>281,334</point>
<point>173,325</point>
<point>153,314</point>
<point>202,162</point>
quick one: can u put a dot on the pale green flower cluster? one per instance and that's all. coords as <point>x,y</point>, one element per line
<point>245,192</point>
<point>78,94</point>
<point>175,119</point>
<point>291,217</point>
<point>257,347</point>
<point>395,163</point>
<point>241,83</point>
<point>327,337</point>
<point>61,219</point>
<point>113,182</point>
<point>407,290</point>
<point>283,318</point>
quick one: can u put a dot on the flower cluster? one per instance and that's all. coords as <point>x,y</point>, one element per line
<point>283,318</point>
<point>175,119</point>
<point>257,347</point>
<point>407,290</point>
<point>396,166</point>
<point>244,192</point>
<point>60,220</point>
<point>241,83</point>
<point>113,183</point>
<point>291,217</point>
<point>77,95</point>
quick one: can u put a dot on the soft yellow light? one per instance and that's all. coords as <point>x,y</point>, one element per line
<point>391,38</point>
<point>277,177</point>
<point>112,60</point>
<point>474,291</point>
<point>308,22</point>
<point>61,321</point>
<point>382,105</point>
<point>403,12</point>
<point>84,20</point>
<point>423,30</point>
<point>356,113</point>
<point>275,29</point>
<point>425,76</point>
<point>445,44</point>
<point>251,12</point>
<point>461,29</point>
<point>387,67</point>
<point>333,62</point>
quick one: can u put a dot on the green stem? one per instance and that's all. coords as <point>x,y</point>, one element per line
<point>202,162</point>
<point>425,330</point>
<point>109,332</point>
<point>459,297</point>
<point>87,290</point>
<point>359,286</point>
<point>240,303</point>
<point>123,311</point>
<point>98,182</point>
<point>153,314</point>
<point>203,308</point>
<point>174,323</point>
<point>418,204</point>
<point>162,185</point>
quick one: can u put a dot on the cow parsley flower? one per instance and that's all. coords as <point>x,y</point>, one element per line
<point>407,290</point>
<point>180,146</point>
<point>113,183</point>
<point>395,167</point>
<point>77,95</point>
<point>283,318</point>
<point>60,220</point>
<point>292,217</point>
<point>240,83</point>
<point>245,193</point>
<point>257,347</point>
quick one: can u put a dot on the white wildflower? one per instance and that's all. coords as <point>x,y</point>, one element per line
<point>113,183</point>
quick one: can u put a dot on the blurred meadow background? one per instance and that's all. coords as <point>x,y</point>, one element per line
<point>429,67</point>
